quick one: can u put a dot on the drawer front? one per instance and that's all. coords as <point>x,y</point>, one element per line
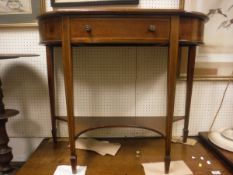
<point>94,30</point>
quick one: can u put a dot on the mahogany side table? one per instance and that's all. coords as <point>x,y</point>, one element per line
<point>121,26</point>
<point>5,151</point>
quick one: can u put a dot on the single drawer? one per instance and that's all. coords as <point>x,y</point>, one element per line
<point>133,30</point>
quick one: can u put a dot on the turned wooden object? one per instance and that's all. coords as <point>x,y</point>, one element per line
<point>5,151</point>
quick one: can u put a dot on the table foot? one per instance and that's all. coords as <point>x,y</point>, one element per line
<point>167,160</point>
<point>73,161</point>
<point>185,135</point>
<point>54,135</point>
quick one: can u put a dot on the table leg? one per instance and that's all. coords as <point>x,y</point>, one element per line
<point>50,71</point>
<point>171,86</point>
<point>190,72</point>
<point>69,91</point>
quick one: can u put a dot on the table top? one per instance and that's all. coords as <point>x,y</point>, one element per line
<point>10,56</point>
<point>119,10</point>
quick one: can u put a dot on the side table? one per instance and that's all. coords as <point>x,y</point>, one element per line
<point>122,27</point>
<point>5,151</point>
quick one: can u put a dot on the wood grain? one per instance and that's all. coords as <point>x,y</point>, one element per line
<point>122,11</point>
<point>48,156</point>
<point>189,84</point>
<point>50,73</point>
<point>124,27</point>
<point>119,29</point>
<point>171,85</point>
<point>67,61</point>
<point>155,124</point>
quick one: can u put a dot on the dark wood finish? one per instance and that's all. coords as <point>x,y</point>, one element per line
<point>64,118</point>
<point>171,86</point>
<point>47,157</point>
<point>190,73</point>
<point>123,26</point>
<point>155,124</point>
<point>191,31</point>
<point>50,30</point>
<point>50,71</point>
<point>122,11</point>
<point>69,90</point>
<point>8,113</point>
<point>119,29</point>
<point>91,3</point>
<point>10,56</point>
<point>5,151</point>
<point>225,156</point>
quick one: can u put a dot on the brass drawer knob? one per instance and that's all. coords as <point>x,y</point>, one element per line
<point>88,28</point>
<point>152,28</point>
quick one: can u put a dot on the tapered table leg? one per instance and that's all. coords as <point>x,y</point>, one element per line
<point>171,86</point>
<point>190,72</point>
<point>50,72</point>
<point>69,91</point>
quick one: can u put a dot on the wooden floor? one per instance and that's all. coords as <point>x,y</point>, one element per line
<point>46,158</point>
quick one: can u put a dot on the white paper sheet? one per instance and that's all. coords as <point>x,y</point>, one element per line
<point>176,168</point>
<point>66,170</point>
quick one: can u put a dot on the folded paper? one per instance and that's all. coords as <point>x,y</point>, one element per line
<point>101,147</point>
<point>177,139</point>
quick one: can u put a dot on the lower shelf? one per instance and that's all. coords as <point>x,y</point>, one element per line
<point>84,124</point>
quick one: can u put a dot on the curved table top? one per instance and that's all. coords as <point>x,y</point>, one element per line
<point>119,10</point>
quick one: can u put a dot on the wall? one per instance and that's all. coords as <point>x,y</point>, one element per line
<point>131,82</point>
